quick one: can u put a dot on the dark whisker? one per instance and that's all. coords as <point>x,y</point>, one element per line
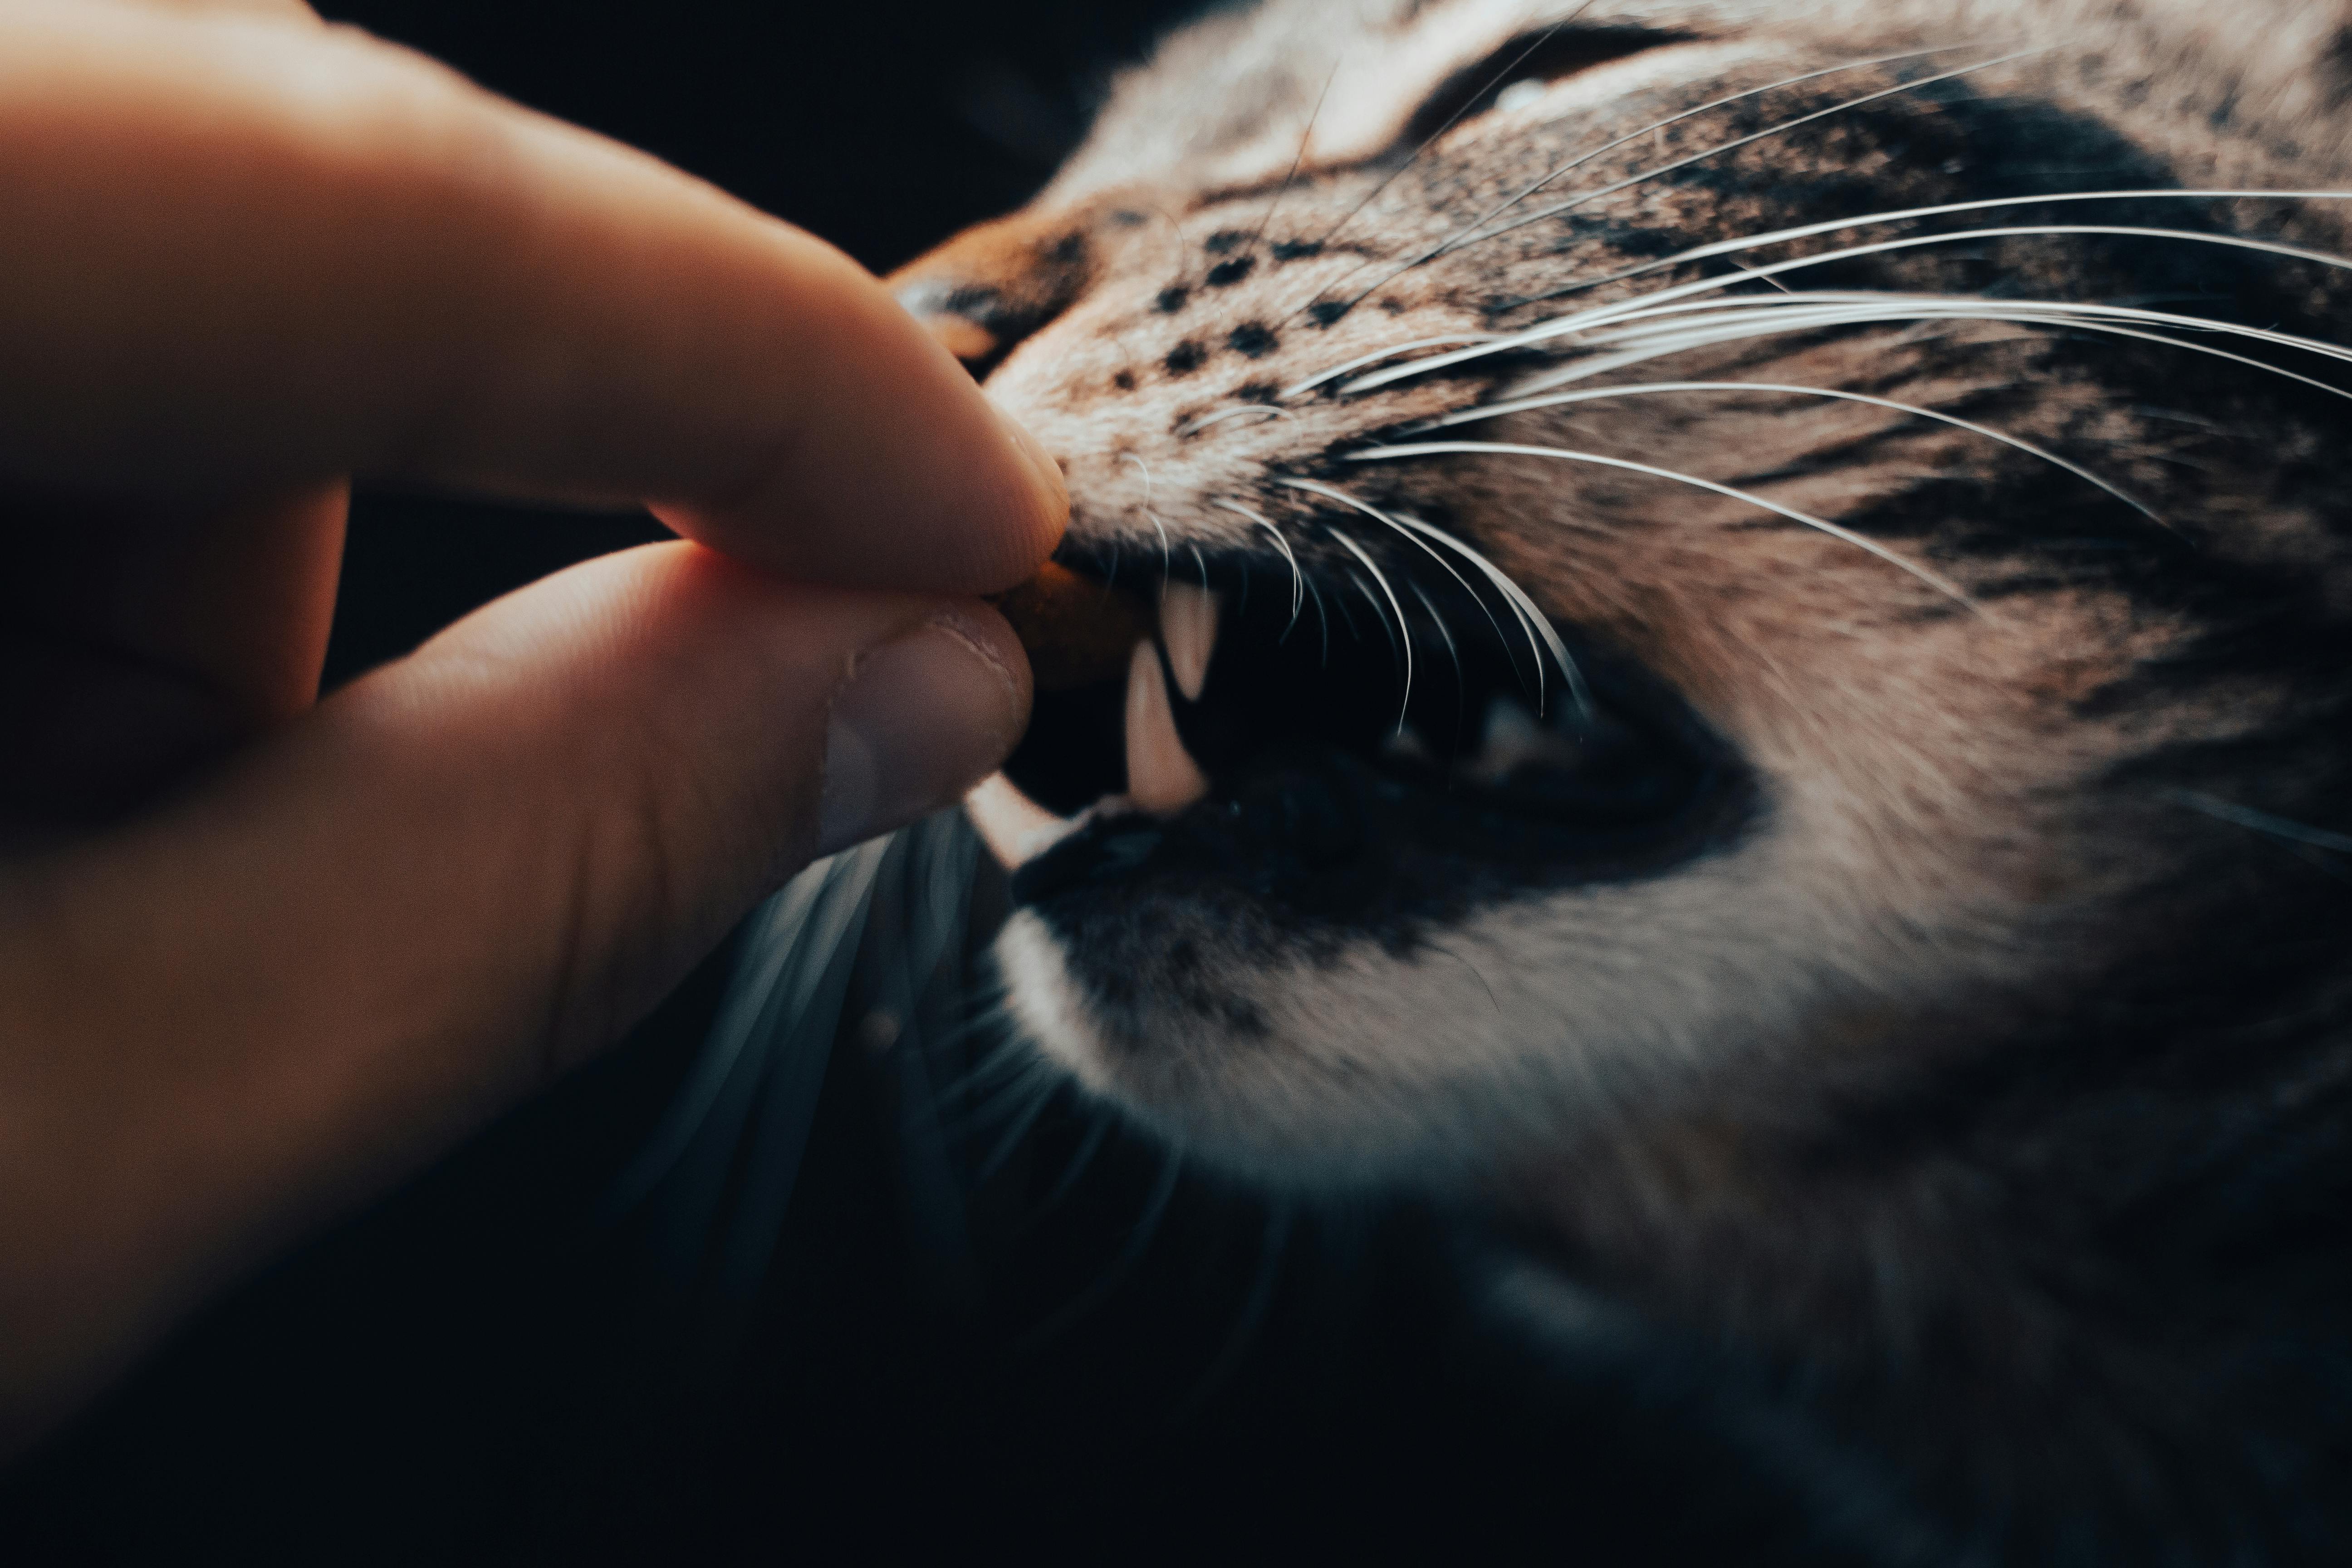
<point>1088,1147</point>
<point>1139,1240</point>
<point>1738,142</point>
<point>1298,160</point>
<point>1451,120</point>
<point>1237,1343</point>
<point>1456,238</point>
<point>1017,1131</point>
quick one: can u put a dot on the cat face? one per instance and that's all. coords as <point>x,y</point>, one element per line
<point>1682,577</point>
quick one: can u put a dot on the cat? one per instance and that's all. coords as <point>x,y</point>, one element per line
<point>1723,630</point>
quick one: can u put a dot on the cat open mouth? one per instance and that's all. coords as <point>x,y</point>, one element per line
<point>1339,753</point>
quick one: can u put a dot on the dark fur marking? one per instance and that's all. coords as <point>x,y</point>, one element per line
<point>1185,358</point>
<point>1253,340</point>
<point>1226,274</point>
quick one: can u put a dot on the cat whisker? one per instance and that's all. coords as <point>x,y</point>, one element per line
<point>1139,1241</point>
<point>1022,1123</point>
<point>1856,306</point>
<point>1456,237</point>
<point>2260,821</point>
<point>1297,577</point>
<point>2032,231</point>
<point>1012,1101</point>
<point>1230,1355</point>
<point>1314,487</point>
<point>1532,620</point>
<point>1006,1060</point>
<point>1557,400</point>
<point>1933,579</point>
<point>1453,654</point>
<point>1360,360</point>
<point>1098,1131</point>
<point>2069,318</point>
<point>1193,428</point>
<point>1451,120</point>
<point>1167,552</point>
<point>1380,577</point>
<point>1297,162</point>
<point>1907,215</point>
<point>1600,191</point>
<point>1585,320</point>
<point>1183,274</point>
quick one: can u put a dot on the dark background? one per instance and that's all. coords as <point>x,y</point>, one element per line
<point>482,1369</point>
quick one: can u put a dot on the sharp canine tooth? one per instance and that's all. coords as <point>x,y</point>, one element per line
<point>1161,776</point>
<point>1188,626</point>
<point>1015,828</point>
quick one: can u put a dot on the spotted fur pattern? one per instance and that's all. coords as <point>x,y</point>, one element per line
<point>1967,1114</point>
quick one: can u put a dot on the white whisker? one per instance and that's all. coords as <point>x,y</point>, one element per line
<point>1598,192</point>
<point>1522,609</point>
<point>1453,654</point>
<point>1451,240</point>
<point>1779,316</point>
<point>1556,400</point>
<point>1167,553</point>
<point>1312,382</point>
<point>1935,580</point>
<point>1584,321</point>
<point>1755,320</point>
<point>1405,629</point>
<point>1906,214</point>
<point>1297,577</point>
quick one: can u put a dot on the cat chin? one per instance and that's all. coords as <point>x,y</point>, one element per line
<point>1522,1031</point>
<point>1277,1112</point>
<point>1525,1031</point>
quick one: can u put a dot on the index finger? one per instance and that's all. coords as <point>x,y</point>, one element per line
<point>243,256</point>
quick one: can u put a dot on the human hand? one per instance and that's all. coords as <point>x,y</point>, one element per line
<point>262,955</point>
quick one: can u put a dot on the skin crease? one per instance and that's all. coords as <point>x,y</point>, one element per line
<point>261,956</point>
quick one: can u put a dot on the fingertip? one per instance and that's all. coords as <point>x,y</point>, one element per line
<point>923,718</point>
<point>1050,502</point>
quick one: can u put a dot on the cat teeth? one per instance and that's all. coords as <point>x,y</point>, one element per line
<point>1015,828</point>
<point>1188,628</point>
<point>1161,776</point>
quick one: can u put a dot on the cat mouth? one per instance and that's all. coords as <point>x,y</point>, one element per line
<point>1325,753</point>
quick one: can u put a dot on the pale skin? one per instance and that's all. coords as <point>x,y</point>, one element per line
<point>263,955</point>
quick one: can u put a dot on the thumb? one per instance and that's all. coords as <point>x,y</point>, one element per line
<point>451,881</point>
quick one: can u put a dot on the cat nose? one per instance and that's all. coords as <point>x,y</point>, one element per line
<point>991,286</point>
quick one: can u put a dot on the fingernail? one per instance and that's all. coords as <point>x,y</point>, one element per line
<point>923,718</point>
<point>1049,472</point>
